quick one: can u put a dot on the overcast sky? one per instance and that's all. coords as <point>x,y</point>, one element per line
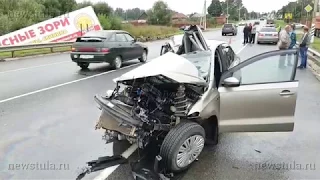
<point>189,6</point>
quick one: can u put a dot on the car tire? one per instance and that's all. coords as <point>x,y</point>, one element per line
<point>222,34</point>
<point>144,56</point>
<point>117,63</point>
<point>258,42</point>
<point>177,138</point>
<point>83,65</point>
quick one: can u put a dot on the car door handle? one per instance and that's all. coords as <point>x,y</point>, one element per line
<point>286,93</point>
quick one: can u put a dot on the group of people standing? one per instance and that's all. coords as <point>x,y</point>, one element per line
<point>288,40</point>
<point>249,32</point>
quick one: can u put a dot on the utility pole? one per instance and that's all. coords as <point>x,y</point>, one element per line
<point>315,8</point>
<point>239,12</point>
<point>205,14</point>
<point>227,11</point>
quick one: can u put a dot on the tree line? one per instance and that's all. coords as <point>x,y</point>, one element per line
<point>234,8</point>
<point>17,14</point>
<point>297,9</point>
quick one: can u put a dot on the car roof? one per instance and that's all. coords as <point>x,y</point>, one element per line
<point>213,44</point>
<point>267,27</point>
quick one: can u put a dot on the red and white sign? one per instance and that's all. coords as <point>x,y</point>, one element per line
<point>63,28</point>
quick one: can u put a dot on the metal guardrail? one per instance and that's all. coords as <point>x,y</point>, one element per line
<point>13,49</point>
<point>312,51</point>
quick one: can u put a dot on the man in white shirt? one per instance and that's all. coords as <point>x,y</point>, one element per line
<point>284,43</point>
<point>253,34</point>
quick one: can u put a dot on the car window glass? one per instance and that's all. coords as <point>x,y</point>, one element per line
<point>113,38</point>
<point>228,25</point>
<point>273,69</point>
<point>229,53</point>
<point>268,30</point>
<point>121,38</point>
<point>129,38</point>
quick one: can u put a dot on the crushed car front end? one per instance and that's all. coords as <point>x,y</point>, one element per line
<point>163,102</point>
<point>145,106</point>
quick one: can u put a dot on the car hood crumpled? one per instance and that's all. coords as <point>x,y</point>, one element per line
<point>169,65</point>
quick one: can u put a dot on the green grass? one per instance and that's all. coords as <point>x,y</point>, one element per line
<point>315,45</point>
<point>31,52</point>
<point>280,23</point>
<point>148,32</point>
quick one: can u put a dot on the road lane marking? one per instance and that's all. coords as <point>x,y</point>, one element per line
<point>63,84</point>
<point>21,69</point>
<point>108,171</point>
<point>241,49</point>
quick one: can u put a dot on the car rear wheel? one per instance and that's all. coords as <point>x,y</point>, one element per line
<point>117,63</point>
<point>143,58</point>
<point>83,65</point>
<point>222,34</point>
<point>182,146</point>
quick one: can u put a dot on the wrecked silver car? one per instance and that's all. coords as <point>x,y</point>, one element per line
<point>182,100</point>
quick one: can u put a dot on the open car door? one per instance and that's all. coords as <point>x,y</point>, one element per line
<point>259,94</point>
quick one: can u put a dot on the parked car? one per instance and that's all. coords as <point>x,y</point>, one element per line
<point>299,25</point>
<point>241,23</point>
<point>270,25</point>
<point>268,35</point>
<point>270,21</point>
<point>261,19</point>
<point>229,28</point>
<point>196,93</point>
<point>111,46</point>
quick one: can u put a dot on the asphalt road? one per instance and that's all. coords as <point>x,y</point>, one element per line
<point>47,115</point>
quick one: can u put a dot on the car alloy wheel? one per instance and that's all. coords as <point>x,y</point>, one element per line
<point>117,63</point>
<point>144,56</point>
<point>182,146</point>
<point>189,150</point>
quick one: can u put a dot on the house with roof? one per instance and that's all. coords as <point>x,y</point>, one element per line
<point>179,17</point>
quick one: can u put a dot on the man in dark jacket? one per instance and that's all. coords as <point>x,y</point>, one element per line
<point>305,42</point>
<point>246,34</point>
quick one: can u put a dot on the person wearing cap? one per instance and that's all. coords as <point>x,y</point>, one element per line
<point>305,42</point>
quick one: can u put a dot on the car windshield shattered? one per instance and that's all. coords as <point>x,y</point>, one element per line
<point>201,60</point>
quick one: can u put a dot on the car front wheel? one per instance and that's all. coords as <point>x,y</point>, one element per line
<point>117,63</point>
<point>83,65</point>
<point>143,58</point>
<point>182,146</point>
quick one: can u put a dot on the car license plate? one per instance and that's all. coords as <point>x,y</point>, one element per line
<point>86,56</point>
<point>268,34</point>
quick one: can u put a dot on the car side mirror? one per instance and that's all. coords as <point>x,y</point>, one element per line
<point>231,82</point>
